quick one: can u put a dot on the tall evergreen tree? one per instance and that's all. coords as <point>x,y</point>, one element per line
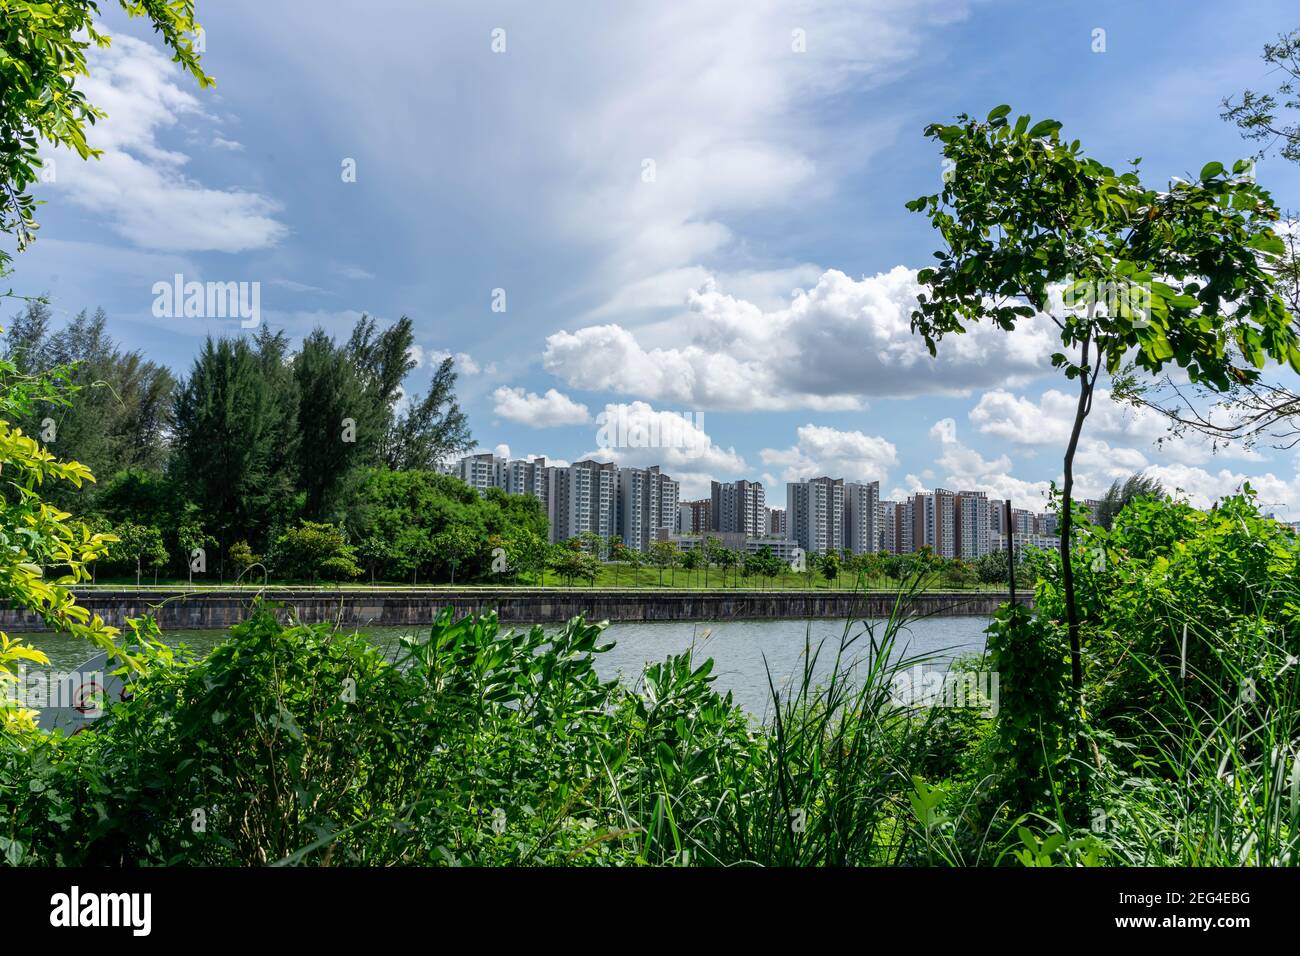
<point>336,421</point>
<point>227,438</point>
<point>382,361</point>
<point>433,427</point>
<point>275,362</point>
<point>121,414</point>
<point>1121,494</point>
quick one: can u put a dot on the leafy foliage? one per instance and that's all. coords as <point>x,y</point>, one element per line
<point>1273,119</point>
<point>36,537</point>
<point>313,549</point>
<point>43,55</point>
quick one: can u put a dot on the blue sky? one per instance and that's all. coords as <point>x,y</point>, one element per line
<point>761,278</point>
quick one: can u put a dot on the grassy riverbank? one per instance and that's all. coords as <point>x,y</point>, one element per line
<point>623,579</point>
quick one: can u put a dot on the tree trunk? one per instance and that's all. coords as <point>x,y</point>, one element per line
<point>1011,553</point>
<point>1067,526</point>
<point>1084,406</point>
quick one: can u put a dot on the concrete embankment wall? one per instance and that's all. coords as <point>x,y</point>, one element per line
<point>212,608</point>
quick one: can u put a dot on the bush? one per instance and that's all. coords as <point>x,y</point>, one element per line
<point>314,549</point>
<point>242,557</point>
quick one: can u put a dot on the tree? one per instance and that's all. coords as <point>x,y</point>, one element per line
<point>193,540</point>
<point>992,568</point>
<point>403,511</point>
<point>567,560</point>
<point>1260,116</point>
<point>41,97</point>
<point>374,551</point>
<point>1152,277</point>
<point>456,545</point>
<point>433,427</point>
<point>588,567</point>
<point>727,559</point>
<point>1250,411</point>
<point>714,554</point>
<point>830,567</point>
<point>226,442</point>
<point>773,566</point>
<point>242,558</point>
<point>124,402</point>
<point>812,561</point>
<point>40,536</point>
<point>274,361</point>
<point>617,551</point>
<point>635,559</point>
<point>591,543</point>
<point>138,545</point>
<point>336,421</point>
<point>532,550</point>
<point>313,549</point>
<point>1119,495</point>
<point>412,549</point>
<point>692,560</point>
<point>382,361</point>
<point>664,554</point>
<point>961,574</point>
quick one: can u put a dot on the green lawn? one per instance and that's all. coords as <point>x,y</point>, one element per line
<point>609,576</point>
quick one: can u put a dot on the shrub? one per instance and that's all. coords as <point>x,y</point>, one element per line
<point>314,549</point>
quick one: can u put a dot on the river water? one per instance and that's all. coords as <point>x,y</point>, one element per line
<point>744,652</point>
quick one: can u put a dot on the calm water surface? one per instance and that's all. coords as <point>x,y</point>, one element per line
<point>742,651</point>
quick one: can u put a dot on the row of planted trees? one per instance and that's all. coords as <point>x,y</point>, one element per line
<point>589,558</point>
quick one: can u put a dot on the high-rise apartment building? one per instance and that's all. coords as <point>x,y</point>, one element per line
<point>1023,521</point>
<point>739,506</point>
<point>695,517</point>
<point>777,525</point>
<point>905,525</point>
<point>515,477</point>
<point>647,502</point>
<point>815,511</point>
<point>889,527</point>
<point>862,517</point>
<point>972,521</point>
<point>997,515</point>
<point>480,472</point>
<point>934,522</point>
<point>583,498</point>
<point>521,477</point>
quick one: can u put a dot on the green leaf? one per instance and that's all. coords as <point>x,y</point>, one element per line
<point>1044,128</point>
<point>998,114</point>
<point>1210,170</point>
<point>1268,242</point>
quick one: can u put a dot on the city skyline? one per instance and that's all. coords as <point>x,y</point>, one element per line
<point>640,506</point>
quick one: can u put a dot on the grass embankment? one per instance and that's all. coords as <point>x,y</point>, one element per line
<point>607,579</point>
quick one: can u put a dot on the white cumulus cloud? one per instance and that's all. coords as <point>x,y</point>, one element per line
<point>138,184</point>
<point>821,450</point>
<point>836,344</point>
<point>540,411</point>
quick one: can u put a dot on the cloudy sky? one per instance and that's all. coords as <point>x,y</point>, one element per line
<point>671,207</point>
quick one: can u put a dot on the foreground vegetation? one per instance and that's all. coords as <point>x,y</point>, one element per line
<point>477,745</point>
